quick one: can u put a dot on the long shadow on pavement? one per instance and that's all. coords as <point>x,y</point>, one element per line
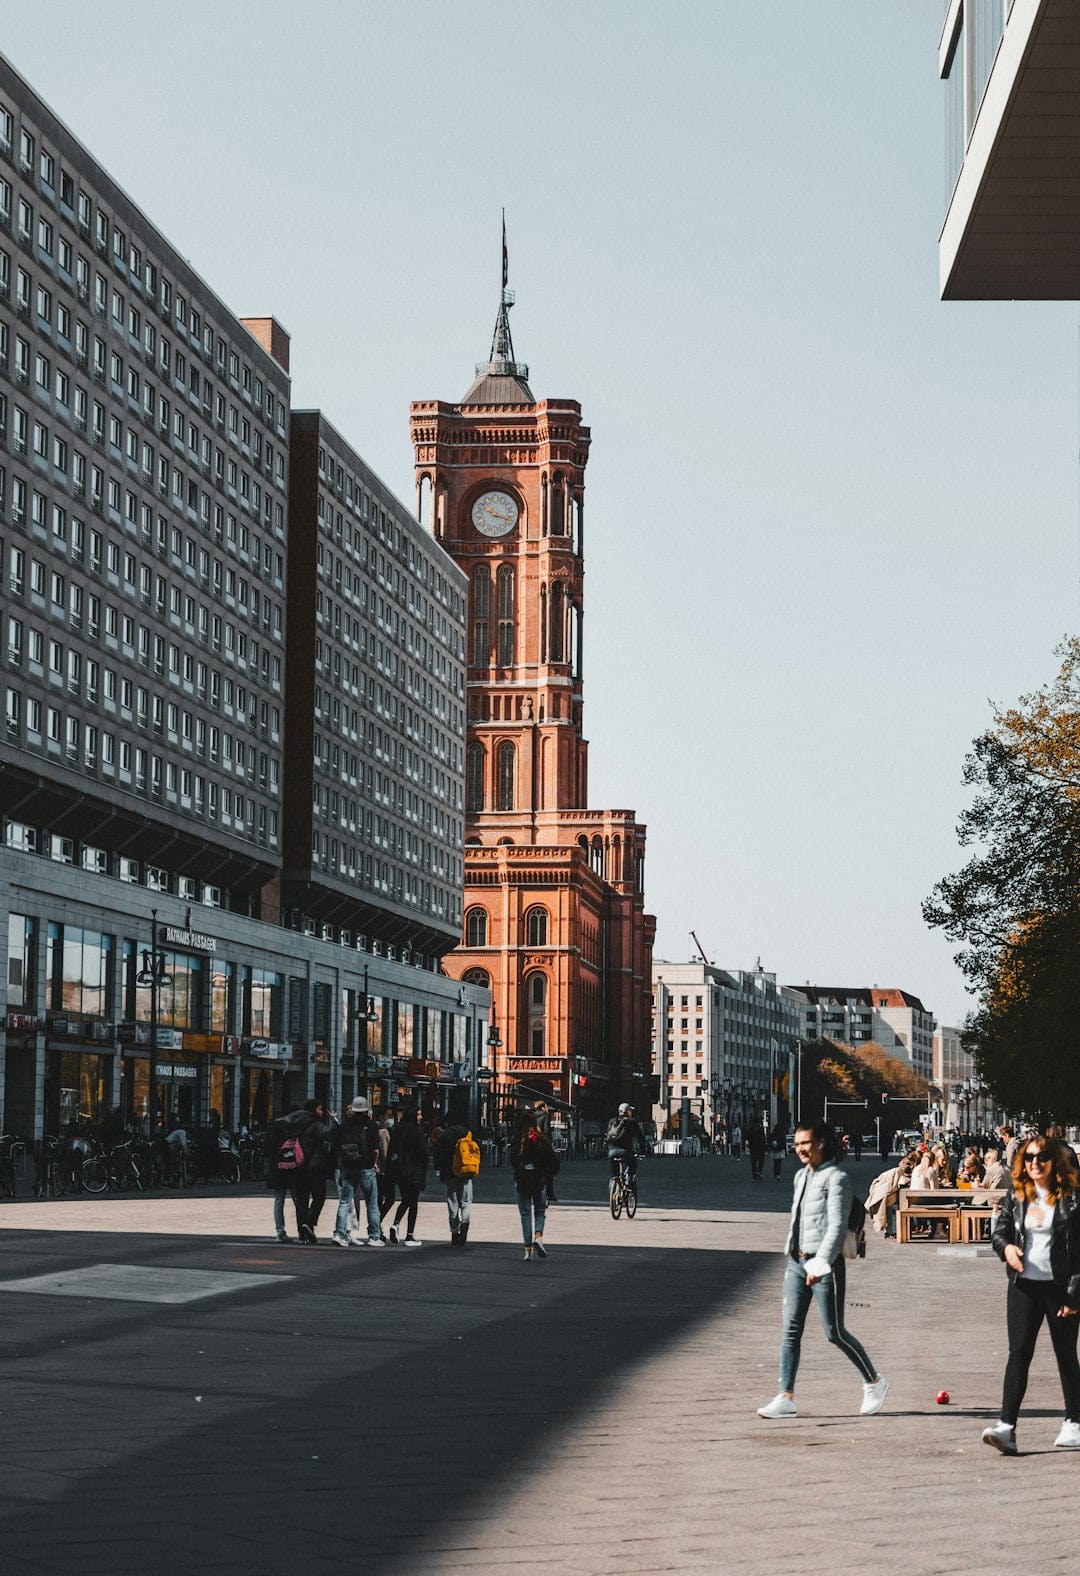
<point>366,1406</point>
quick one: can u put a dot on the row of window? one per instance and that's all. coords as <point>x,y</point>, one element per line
<point>534,927</point>
<point>86,215</point>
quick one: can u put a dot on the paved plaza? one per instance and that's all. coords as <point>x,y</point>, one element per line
<point>182,1394</point>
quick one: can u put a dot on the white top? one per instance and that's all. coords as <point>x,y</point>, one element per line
<point>1038,1228</point>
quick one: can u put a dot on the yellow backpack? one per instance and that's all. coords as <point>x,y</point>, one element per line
<point>466,1162</point>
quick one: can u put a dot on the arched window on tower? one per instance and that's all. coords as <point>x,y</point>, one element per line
<point>505,763</point>
<point>474,779</point>
<point>481,617</point>
<point>536,1014</point>
<point>506,616</point>
<point>536,927</point>
<point>476,927</point>
<point>558,506</point>
<point>479,977</point>
<point>557,643</point>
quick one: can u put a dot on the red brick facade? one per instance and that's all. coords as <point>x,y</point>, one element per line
<point>554,906</point>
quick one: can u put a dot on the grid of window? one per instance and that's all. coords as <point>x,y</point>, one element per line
<point>389,693</point>
<point>143,490</point>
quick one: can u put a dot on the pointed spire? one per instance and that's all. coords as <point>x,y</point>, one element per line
<point>501,380</point>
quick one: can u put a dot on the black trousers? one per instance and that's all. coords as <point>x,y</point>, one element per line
<point>1028,1304</point>
<point>410,1199</point>
<point>309,1196</point>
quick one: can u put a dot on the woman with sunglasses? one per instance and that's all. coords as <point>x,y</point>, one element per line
<point>1037,1233</point>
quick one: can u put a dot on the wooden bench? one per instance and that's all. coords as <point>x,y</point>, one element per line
<point>965,1211</point>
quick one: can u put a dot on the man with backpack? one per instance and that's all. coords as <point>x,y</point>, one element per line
<point>354,1155</point>
<point>624,1132</point>
<point>457,1160</point>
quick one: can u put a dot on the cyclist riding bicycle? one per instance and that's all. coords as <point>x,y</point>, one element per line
<point>623,1133</point>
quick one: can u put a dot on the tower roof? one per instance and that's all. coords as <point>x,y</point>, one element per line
<point>500,380</point>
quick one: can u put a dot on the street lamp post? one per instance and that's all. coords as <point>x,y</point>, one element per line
<point>367,1017</point>
<point>494,1041</point>
<point>153,974</point>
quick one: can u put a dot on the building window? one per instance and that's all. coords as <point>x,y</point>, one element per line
<point>536,927</point>
<point>505,763</point>
<point>481,617</point>
<point>506,616</point>
<point>474,779</point>
<point>536,1014</point>
<point>476,928</point>
<point>557,640</point>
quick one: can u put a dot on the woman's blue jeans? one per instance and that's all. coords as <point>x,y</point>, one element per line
<point>828,1293</point>
<point>531,1205</point>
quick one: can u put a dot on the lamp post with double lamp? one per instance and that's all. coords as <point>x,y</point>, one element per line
<point>153,974</point>
<point>366,1015</point>
<point>486,1074</point>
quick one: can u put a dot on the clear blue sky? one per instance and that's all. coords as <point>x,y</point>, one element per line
<point>829,519</point>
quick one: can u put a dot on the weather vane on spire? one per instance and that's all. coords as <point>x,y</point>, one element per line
<point>501,359</point>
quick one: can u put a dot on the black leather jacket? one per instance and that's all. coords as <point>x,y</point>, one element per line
<point>1064,1241</point>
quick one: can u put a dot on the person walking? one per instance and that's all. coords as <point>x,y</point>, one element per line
<point>1037,1235</point>
<point>387,1191</point>
<point>543,1121</point>
<point>778,1151</point>
<point>736,1141</point>
<point>355,1156</point>
<point>815,1271</point>
<point>756,1144</point>
<point>533,1161</point>
<point>286,1157</point>
<point>407,1158</point>
<point>457,1161</point>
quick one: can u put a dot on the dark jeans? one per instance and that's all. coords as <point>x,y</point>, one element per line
<point>387,1194</point>
<point>309,1196</point>
<point>828,1293</point>
<point>1027,1305</point>
<point>410,1199</point>
<point>757,1164</point>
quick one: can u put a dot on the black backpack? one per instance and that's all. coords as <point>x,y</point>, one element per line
<point>359,1144</point>
<point>616,1130</point>
<point>855,1238</point>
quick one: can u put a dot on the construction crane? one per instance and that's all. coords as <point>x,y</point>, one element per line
<point>697,944</point>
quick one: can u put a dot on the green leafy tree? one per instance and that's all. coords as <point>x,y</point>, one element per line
<point>1014,908</point>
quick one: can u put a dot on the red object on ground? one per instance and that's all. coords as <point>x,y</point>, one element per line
<point>942,1398</point>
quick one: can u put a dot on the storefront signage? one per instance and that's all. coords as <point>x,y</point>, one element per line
<point>297,1016</point>
<point>269,1050</point>
<point>549,1066</point>
<point>139,1034</point>
<point>88,1031</point>
<point>174,936</point>
<point>211,1044</point>
<point>25,1022</point>
<point>176,1070</point>
<point>421,1069</point>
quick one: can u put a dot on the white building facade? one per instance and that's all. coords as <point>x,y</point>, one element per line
<point>723,1043</point>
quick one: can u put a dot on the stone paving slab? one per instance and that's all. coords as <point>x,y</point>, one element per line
<point>440,1410</point>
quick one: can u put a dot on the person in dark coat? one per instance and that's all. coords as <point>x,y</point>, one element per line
<point>305,1181</point>
<point>533,1160</point>
<point>756,1143</point>
<point>407,1158</point>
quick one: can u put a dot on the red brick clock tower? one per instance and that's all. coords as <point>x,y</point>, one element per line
<point>554,916</point>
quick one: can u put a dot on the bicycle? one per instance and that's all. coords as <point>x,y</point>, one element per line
<point>11,1152</point>
<point>623,1192</point>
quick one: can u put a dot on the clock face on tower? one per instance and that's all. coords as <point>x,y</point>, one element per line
<point>495,514</point>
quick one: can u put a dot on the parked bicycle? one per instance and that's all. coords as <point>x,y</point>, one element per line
<point>623,1193</point>
<point>12,1150</point>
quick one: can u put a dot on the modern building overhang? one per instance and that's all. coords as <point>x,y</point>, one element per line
<point>1012,231</point>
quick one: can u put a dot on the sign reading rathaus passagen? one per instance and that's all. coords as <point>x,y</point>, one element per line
<point>174,936</point>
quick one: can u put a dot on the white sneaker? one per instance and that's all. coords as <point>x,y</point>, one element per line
<point>340,1241</point>
<point>873,1397</point>
<point>375,1242</point>
<point>780,1406</point>
<point>412,1242</point>
<point>1002,1436</point>
<point>1069,1438</point>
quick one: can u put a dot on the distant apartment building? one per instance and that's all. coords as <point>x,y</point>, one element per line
<point>1012,83</point>
<point>894,1019</point>
<point>952,1064</point>
<point>722,1039</point>
<point>244,745</point>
